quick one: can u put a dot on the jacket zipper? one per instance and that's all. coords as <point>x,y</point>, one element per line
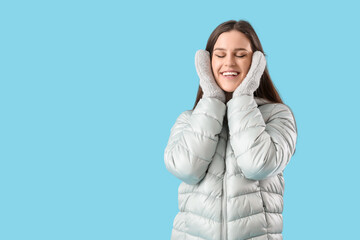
<point>224,217</point>
<point>224,199</point>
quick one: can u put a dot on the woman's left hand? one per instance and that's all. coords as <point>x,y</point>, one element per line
<point>252,80</point>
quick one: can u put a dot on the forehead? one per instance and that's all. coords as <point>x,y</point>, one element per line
<point>232,40</point>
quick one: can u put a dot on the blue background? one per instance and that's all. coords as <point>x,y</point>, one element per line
<point>89,91</point>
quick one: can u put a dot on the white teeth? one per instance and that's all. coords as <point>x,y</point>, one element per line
<point>230,73</point>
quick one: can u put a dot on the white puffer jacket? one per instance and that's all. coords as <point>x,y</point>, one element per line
<point>232,173</point>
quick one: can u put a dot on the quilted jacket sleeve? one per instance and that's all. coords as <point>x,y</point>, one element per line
<point>261,150</point>
<point>193,140</point>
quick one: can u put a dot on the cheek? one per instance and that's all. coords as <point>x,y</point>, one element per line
<point>215,66</point>
<point>246,64</point>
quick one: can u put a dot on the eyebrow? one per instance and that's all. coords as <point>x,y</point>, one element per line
<point>236,49</point>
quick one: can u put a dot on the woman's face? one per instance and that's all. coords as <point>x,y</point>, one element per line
<point>232,52</point>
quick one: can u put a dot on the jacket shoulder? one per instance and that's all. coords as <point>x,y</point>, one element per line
<point>280,110</point>
<point>182,119</point>
<point>185,115</point>
<point>274,108</point>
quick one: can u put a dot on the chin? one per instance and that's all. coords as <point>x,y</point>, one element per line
<point>228,88</point>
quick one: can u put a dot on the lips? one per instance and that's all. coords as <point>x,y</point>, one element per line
<point>230,74</point>
<point>229,71</point>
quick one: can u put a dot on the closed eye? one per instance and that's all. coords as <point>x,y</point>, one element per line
<point>236,56</point>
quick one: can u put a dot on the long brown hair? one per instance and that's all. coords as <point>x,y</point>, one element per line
<point>266,88</point>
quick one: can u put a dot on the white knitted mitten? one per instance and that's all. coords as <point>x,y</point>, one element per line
<point>207,82</point>
<point>252,80</point>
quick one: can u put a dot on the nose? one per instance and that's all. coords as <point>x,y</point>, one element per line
<point>230,60</point>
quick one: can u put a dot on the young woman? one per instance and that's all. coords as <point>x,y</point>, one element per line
<point>231,149</point>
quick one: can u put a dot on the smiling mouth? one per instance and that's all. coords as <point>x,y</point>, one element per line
<point>230,75</point>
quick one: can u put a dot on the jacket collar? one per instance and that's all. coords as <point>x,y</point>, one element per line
<point>261,101</point>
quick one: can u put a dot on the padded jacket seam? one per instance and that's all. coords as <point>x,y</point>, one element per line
<point>194,155</point>
<point>209,219</point>
<point>252,193</point>
<point>200,193</point>
<point>261,235</point>
<point>188,233</point>
<point>213,139</point>
<point>245,216</point>
<point>204,113</point>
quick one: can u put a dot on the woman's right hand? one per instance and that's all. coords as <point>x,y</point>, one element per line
<point>207,81</point>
